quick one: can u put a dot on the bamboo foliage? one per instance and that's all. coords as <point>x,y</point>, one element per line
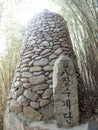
<point>82,18</point>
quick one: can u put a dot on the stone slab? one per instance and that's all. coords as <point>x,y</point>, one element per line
<point>65,93</point>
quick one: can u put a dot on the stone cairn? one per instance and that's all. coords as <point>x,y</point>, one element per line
<point>31,94</point>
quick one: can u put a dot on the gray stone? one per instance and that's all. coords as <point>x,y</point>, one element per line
<point>34,69</point>
<point>31,114</point>
<point>34,105</point>
<point>40,92</point>
<point>41,62</point>
<point>18,84</point>
<point>24,65</point>
<point>37,49</point>
<point>34,56</point>
<point>32,42</point>
<point>18,74</point>
<point>15,107</point>
<point>20,91</point>
<point>25,69</point>
<point>31,62</point>
<point>30,95</point>
<point>28,55</point>
<point>14,95</point>
<point>45,51</point>
<point>52,62</point>
<point>39,40</point>
<point>22,100</point>
<point>56,47</point>
<point>51,75</point>
<point>38,73</point>
<point>58,51</point>
<point>44,43</point>
<point>49,81</point>
<point>47,93</point>
<point>26,74</point>
<point>48,68</point>
<point>52,56</point>
<point>11,93</point>
<point>37,79</point>
<point>39,87</point>
<point>47,112</point>
<point>44,102</point>
<point>25,60</point>
<point>39,57</point>
<point>65,92</point>
<point>26,85</point>
<point>24,80</point>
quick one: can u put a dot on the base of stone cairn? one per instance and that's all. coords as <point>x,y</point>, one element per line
<point>14,122</point>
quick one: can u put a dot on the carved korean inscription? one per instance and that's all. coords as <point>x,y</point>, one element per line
<point>65,92</point>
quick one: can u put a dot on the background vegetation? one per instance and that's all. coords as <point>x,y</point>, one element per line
<point>82,20</point>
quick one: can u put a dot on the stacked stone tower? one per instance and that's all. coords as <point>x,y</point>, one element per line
<point>31,94</point>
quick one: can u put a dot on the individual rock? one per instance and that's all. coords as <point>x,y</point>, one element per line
<point>28,55</point>
<point>56,47</point>
<point>31,62</point>
<point>30,95</point>
<point>45,51</point>
<point>15,107</point>
<point>47,93</point>
<point>34,69</point>
<point>26,85</point>
<point>39,41</point>
<point>34,56</point>
<point>26,74</point>
<point>44,43</point>
<point>34,105</point>
<point>39,87</point>
<point>58,51</point>
<point>24,65</point>
<point>22,100</point>
<point>41,62</point>
<point>40,92</point>
<point>14,95</point>
<point>47,73</point>
<point>31,42</point>
<point>18,74</point>
<point>49,81</point>
<point>37,79</point>
<point>51,75</point>
<point>18,84</point>
<point>31,114</point>
<point>11,92</point>
<point>39,57</point>
<point>24,80</point>
<point>25,60</point>
<point>20,91</point>
<point>52,62</point>
<point>48,68</point>
<point>44,103</point>
<point>52,56</point>
<point>26,69</point>
<point>48,112</point>
<point>38,73</point>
